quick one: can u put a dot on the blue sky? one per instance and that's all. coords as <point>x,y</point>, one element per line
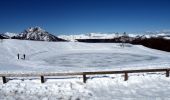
<point>84,16</point>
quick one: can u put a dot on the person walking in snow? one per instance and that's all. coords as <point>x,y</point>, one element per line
<point>24,56</point>
<point>18,55</point>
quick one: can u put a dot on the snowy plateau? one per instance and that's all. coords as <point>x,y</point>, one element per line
<point>44,56</point>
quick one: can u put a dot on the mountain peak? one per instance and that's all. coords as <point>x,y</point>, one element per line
<point>37,34</point>
<point>35,29</point>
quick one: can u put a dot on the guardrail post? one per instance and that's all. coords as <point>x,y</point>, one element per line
<point>84,78</point>
<point>167,73</point>
<point>126,76</point>
<point>42,79</point>
<point>4,79</point>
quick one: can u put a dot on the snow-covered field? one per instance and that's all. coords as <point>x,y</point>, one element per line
<point>74,57</point>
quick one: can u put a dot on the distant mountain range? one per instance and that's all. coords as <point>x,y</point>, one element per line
<point>39,34</point>
<point>101,36</point>
<point>157,40</point>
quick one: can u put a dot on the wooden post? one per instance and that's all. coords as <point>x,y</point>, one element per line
<point>84,78</point>
<point>167,73</point>
<point>4,79</point>
<point>42,79</point>
<point>126,76</point>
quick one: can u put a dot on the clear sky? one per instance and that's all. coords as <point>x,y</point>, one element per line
<point>84,16</point>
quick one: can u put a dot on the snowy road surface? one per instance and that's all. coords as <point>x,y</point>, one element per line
<point>73,57</point>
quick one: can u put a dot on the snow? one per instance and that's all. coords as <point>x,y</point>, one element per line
<point>168,38</point>
<point>88,36</point>
<point>112,35</point>
<point>10,34</point>
<point>74,57</point>
<point>148,87</point>
<point>32,90</point>
<point>138,87</point>
<point>38,34</point>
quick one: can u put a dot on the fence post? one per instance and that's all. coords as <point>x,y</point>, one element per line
<point>42,79</point>
<point>84,78</point>
<point>126,76</point>
<point>167,73</point>
<point>4,79</point>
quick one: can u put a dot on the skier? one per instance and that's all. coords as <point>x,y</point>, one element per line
<point>18,55</point>
<point>24,56</point>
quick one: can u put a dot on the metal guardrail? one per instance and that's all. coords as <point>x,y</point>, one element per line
<point>84,74</point>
